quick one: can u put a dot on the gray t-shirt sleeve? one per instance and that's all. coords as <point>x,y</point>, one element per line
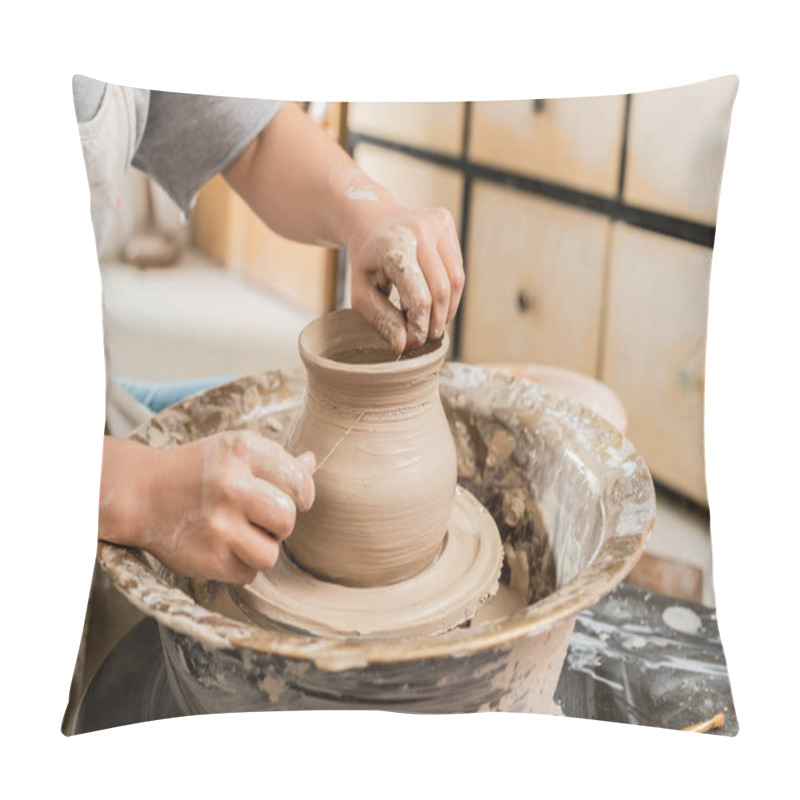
<point>87,95</point>
<point>189,138</point>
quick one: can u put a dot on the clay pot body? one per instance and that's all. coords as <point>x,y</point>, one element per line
<point>386,476</point>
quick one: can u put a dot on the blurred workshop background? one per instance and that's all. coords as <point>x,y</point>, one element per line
<point>587,227</point>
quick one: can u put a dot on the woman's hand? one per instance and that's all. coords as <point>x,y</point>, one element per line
<point>418,253</point>
<point>217,508</point>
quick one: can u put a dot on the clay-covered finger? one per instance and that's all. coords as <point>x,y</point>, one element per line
<point>439,287</point>
<point>382,315</point>
<point>271,463</point>
<point>254,548</point>
<point>269,508</point>
<point>399,264</point>
<point>453,260</point>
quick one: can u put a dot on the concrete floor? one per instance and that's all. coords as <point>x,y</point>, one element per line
<point>198,320</point>
<point>195,320</point>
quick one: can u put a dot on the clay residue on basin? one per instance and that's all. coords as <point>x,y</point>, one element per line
<point>573,501</point>
<point>541,487</point>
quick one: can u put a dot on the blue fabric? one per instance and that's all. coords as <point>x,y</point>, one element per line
<point>158,395</point>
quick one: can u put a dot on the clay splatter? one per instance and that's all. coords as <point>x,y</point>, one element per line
<point>682,619</point>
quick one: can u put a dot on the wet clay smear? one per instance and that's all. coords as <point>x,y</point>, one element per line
<point>378,355</point>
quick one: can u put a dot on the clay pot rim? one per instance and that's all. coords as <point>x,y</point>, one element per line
<point>313,359</point>
<point>133,573</point>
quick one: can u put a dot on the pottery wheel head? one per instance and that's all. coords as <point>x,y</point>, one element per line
<point>441,597</point>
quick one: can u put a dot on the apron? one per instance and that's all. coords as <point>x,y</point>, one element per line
<point>108,141</point>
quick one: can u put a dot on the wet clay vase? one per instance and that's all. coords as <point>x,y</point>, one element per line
<point>386,462</point>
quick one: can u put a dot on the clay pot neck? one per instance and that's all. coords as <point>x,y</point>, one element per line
<point>350,367</point>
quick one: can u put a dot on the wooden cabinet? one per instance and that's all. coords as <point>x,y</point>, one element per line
<point>654,350</point>
<point>432,126</point>
<point>558,272</point>
<point>574,142</point>
<point>676,148</point>
<point>535,285</point>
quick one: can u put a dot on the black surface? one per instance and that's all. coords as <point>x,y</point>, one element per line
<point>624,664</point>
<point>131,684</point>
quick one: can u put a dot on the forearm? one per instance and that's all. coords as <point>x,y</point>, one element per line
<point>125,465</point>
<point>304,186</point>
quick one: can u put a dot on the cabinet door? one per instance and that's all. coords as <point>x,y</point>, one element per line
<point>676,148</point>
<point>412,181</point>
<point>575,142</point>
<point>534,280</point>
<point>654,350</point>
<point>431,126</point>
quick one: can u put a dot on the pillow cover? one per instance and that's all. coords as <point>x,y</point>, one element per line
<point>586,228</point>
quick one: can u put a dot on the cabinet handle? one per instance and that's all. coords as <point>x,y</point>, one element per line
<point>538,106</point>
<point>525,302</point>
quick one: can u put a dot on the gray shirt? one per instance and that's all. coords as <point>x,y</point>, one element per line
<point>182,140</point>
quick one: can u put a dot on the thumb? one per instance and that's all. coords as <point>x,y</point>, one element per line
<point>308,461</point>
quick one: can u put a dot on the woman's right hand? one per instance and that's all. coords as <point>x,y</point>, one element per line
<point>216,508</point>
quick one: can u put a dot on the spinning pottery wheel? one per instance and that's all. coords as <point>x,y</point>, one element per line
<point>571,498</point>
